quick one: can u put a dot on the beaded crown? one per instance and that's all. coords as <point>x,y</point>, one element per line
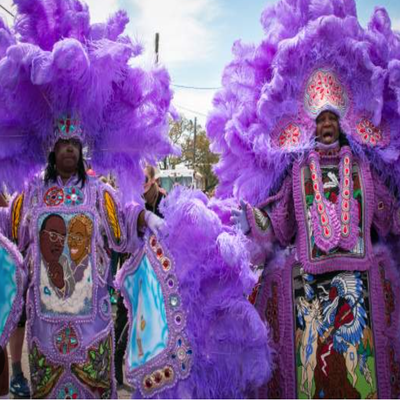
<point>68,127</point>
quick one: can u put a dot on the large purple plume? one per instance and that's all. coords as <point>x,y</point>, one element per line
<point>53,63</point>
<point>263,89</point>
<point>229,340</point>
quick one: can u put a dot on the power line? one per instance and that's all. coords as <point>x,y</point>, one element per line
<point>9,12</point>
<point>195,87</point>
<point>192,111</point>
<point>156,50</point>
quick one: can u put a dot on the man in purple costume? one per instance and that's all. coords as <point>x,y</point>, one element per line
<point>56,332</point>
<point>72,90</point>
<point>312,153</point>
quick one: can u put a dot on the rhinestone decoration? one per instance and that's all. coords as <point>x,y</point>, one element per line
<point>171,281</point>
<point>182,354</point>
<point>290,136</point>
<point>174,300</point>
<point>54,197</point>
<point>369,133</point>
<point>326,230</point>
<point>68,391</point>
<point>323,90</point>
<point>153,243</point>
<point>67,127</point>
<point>73,196</point>
<point>166,264</point>
<point>67,340</point>
<point>345,217</point>
<point>159,253</point>
<point>158,378</point>
<point>178,319</point>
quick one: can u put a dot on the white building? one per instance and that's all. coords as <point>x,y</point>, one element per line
<point>181,175</point>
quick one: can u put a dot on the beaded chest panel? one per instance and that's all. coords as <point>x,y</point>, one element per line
<point>330,180</point>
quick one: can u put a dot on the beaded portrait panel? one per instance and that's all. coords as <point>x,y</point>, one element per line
<point>335,355</point>
<point>65,275</point>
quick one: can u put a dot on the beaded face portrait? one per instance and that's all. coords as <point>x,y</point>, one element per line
<point>65,281</point>
<point>79,236</point>
<point>52,238</point>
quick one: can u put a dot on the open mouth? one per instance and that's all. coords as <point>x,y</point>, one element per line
<point>327,134</point>
<point>74,251</point>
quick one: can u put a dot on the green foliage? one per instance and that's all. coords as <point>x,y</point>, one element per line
<point>200,159</point>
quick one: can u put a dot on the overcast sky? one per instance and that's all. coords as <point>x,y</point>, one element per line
<point>196,37</point>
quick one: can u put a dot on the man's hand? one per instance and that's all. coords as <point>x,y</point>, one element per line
<point>154,223</point>
<point>239,217</point>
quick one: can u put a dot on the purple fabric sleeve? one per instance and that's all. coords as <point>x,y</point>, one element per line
<point>131,214</point>
<point>279,211</point>
<point>384,219</point>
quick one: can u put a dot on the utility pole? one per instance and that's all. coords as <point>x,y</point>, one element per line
<point>156,51</point>
<point>194,142</point>
<point>157,45</point>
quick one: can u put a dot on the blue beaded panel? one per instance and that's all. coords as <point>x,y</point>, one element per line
<point>149,333</point>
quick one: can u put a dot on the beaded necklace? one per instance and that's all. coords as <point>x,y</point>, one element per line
<point>334,225</point>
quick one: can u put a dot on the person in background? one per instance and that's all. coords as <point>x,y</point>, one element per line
<point>153,193</point>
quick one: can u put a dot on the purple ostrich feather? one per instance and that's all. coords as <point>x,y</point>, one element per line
<point>264,85</point>
<point>54,62</point>
<point>229,340</point>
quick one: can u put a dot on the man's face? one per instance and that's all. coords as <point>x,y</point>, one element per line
<point>327,131</point>
<point>52,239</point>
<point>78,241</point>
<point>67,155</point>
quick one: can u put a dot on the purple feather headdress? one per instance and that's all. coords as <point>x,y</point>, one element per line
<point>61,76</point>
<point>315,57</point>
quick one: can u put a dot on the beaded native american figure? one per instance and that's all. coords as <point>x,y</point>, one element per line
<point>323,219</point>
